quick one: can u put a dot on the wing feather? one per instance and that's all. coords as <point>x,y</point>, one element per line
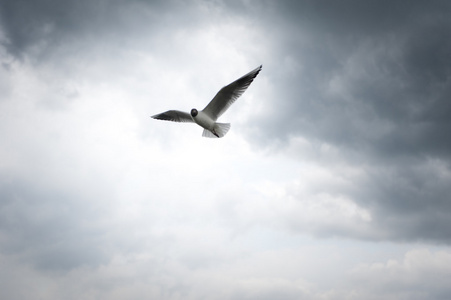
<point>228,94</point>
<point>174,115</point>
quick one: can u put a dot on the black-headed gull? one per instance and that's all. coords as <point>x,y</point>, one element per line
<point>207,117</point>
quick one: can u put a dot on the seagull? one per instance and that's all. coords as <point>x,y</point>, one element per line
<point>207,117</point>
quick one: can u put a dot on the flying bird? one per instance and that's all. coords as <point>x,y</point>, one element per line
<point>207,117</point>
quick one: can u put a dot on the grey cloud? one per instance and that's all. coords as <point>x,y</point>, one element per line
<point>384,74</point>
<point>28,24</point>
<point>373,81</point>
<point>53,229</point>
<point>38,29</point>
<point>411,202</point>
<point>428,281</point>
<point>50,228</point>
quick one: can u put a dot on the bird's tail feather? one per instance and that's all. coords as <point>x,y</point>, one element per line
<point>220,129</point>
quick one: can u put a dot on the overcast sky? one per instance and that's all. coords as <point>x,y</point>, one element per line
<point>333,182</point>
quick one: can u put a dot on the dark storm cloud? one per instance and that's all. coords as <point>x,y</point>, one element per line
<point>36,28</point>
<point>409,201</point>
<point>392,61</point>
<point>30,23</point>
<point>372,79</point>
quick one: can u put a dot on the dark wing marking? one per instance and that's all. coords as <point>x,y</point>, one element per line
<point>228,94</point>
<point>174,115</point>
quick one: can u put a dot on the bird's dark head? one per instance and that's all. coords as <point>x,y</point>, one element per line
<point>194,112</point>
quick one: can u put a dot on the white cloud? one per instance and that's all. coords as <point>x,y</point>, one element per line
<point>420,274</point>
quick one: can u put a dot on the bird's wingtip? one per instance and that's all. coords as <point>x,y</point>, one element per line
<point>157,116</point>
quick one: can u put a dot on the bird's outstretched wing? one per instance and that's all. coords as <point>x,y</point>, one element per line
<point>228,94</point>
<point>174,115</point>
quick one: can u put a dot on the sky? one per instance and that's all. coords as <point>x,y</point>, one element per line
<point>332,183</point>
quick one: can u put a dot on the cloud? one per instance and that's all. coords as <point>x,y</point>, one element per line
<point>48,228</point>
<point>338,154</point>
<point>360,78</point>
<point>374,91</point>
<point>286,274</point>
<point>39,28</point>
<point>421,273</point>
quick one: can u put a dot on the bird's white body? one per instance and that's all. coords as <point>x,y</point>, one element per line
<point>204,120</point>
<point>211,128</point>
<point>207,117</point>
